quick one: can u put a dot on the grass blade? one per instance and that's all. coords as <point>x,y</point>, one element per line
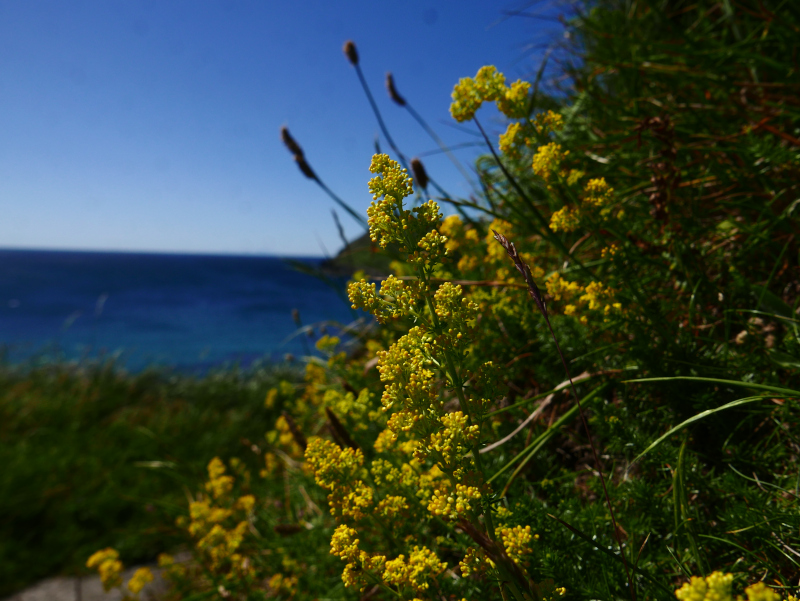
<point>751,385</point>
<point>698,417</point>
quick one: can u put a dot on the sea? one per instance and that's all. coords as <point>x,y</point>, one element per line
<point>189,313</point>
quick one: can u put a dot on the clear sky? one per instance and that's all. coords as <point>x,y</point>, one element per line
<point>154,125</point>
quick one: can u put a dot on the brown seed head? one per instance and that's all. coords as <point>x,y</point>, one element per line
<point>420,175</point>
<point>290,142</point>
<point>297,434</point>
<point>350,52</point>
<point>305,167</point>
<point>522,267</point>
<point>339,433</point>
<point>393,93</point>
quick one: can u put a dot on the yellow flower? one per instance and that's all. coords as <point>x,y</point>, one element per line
<point>455,440</point>
<point>513,103</point>
<point>272,395</point>
<point>140,578</point>
<point>761,592</point>
<point>392,505</point>
<point>574,176</point>
<point>475,562</point>
<point>487,86</point>
<point>517,542</point>
<point>547,159</point>
<point>285,584</point>
<point>108,566</point>
<point>450,503</point>
<point>422,565</point>
<point>219,485</point>
<point>512,140</point>
<point>246,503</point>
<point>716,587</point>
<point>597,192</point>
<point>331,464</point>
<point>565,219</point>
<point>559,288</point>
<point>548,122</point>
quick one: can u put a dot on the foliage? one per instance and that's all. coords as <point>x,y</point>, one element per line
<point>655,202</point>
<point>93,457</point>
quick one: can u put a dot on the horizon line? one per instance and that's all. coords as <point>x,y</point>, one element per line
<point>201,253</point>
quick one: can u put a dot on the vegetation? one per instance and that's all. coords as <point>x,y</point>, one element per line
<point>95,457</point>
<point>584,384</point>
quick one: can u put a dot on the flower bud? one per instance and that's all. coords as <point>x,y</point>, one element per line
<point>350,52</point>
<point>393,93</point>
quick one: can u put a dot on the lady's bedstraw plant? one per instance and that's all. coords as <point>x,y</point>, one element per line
<point>423,371</point>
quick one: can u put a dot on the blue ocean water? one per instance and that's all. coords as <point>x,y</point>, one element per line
<point>184,311</point>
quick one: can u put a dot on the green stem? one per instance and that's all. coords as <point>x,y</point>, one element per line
<point>455,380</point>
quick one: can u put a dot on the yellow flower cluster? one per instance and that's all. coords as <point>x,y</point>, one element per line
<point>339,471</point>
<point>548,122</point>
<point>219,545</point>
<point>394,299</point>
<point>475,562</point>
<point>561,289</point>
<point>356,408</point>
<point>220,522</point>
<point>278,583</point>
<point>391,506</point>
<point>456,314</point>
<point>595,296</point>
<point>597,192</point>
<point>344,545</point>
<point>450,501</point>
<point>389,222</point>
<point>600,297</point>
<point>422,564</point>
<point>285,438</point>
<point>218,483</point>
<point>718,587</point>
<point>565,219</point>
<point>331,464</point>
<point>453,229</point>
<point>454,441</point>
<point>609,252</point>
<point>108,566</point>
<point>407,368</point>
<point>517,542</point>
<point>548,159</point>
<point>141,578</point>
<point>512,140</point>
<point>489,85</point>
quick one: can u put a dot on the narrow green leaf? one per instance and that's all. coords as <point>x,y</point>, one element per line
<point>784,359</point>
<point>750,385</point>
<point>698,417</point>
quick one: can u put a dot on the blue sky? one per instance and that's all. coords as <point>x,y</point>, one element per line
<point>154,125</point>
